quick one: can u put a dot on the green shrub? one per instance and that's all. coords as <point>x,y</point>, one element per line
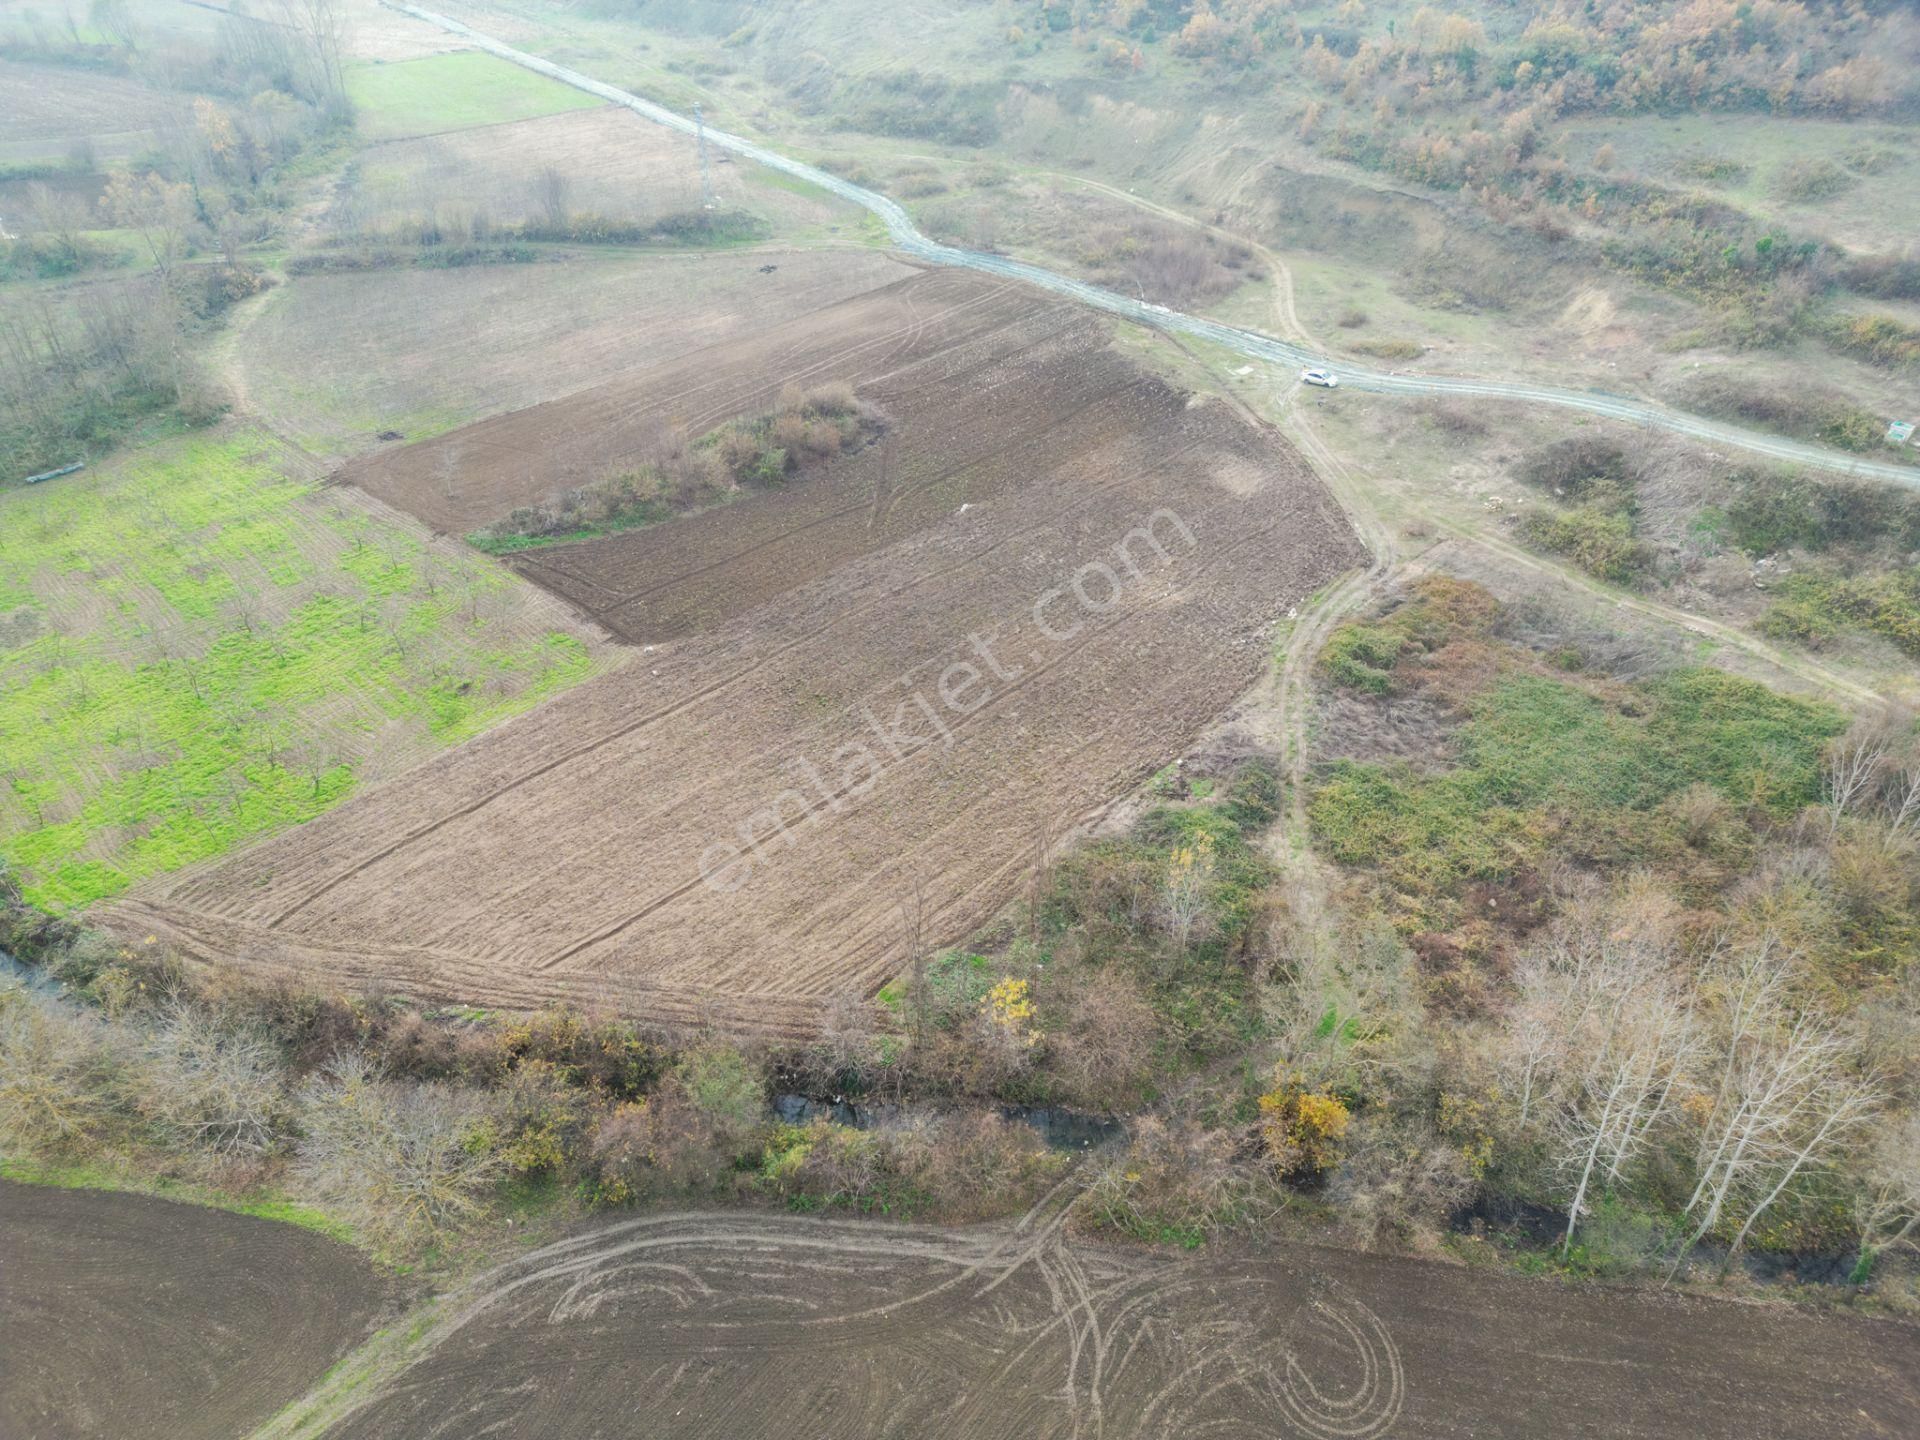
<point>1774,510</point>
<point>1598,541</point>
<point>1877,339</point>
<point>1815,608</point>
<point>1362,657</point>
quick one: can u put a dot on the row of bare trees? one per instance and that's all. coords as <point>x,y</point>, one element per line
<point>1617,1044</point>
<point>394,1156</point>
<point>1623,1041</point>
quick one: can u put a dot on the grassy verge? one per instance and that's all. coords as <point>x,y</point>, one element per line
<point>101,1176</point>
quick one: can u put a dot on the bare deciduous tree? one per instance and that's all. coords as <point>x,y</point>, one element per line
<point>553,191</point>
<point>1887,1195</point>
<point>1786,1097</point>
<point>62,218</point>
<point>1604,1034</point>
<point>1186,894</point>
<point>210,1085</point>
<point>396,1156</point>
<point>322,26</point>
<point>50,1063</point>
<point>160,211</point>
<point>913,925</point>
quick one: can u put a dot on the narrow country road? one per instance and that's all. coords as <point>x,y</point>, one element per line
<point>1253,344</point>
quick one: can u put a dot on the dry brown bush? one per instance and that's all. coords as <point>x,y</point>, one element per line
<point>1396,1187</point>
<point>686,1137</point>
<point>836,397</point>
<point>1103,1056</point>
<point>396,1157</point>
<point>210,1084</point>
<point>978,1165</point>
<point>55,1073</point>
<point>1178,1180</point>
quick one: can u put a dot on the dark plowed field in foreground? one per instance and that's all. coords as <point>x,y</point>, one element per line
<point>887,677</point>
<point>736,1327</point>
<point>127,1317</point>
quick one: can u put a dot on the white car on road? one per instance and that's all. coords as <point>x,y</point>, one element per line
<point>1324,378</point>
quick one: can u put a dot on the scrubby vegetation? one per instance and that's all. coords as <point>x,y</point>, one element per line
<point>1725,872</point>
<point>1623,982</point>
<point>1806,412</point>
<point>406,1127</point>
<point>804,428</point>
<point>1851,548</point>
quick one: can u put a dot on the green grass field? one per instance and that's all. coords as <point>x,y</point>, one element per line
<point>197,649</point>
<point>452,92</point>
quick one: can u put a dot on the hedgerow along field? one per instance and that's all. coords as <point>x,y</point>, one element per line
<point>452,92</point>
<point>198,646</point>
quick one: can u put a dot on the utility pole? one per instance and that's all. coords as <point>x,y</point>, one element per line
<point>706,171</point>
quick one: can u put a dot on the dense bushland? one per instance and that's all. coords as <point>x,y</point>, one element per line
<point>1728,874</point>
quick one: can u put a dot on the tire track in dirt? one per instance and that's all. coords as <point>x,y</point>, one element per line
<point>756,1327</point>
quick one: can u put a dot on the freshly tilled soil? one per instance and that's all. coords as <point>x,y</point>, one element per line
<point>131,1317</point>
<point>880,680</point>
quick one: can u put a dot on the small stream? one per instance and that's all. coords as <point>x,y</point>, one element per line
<point>1060,1128</point>
<point>15,972</point>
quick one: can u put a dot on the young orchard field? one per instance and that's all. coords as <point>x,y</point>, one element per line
<point>199,646</point>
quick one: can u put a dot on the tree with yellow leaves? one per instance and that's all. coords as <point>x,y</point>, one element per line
<point>1301,1128</point>
<point>1188,889</point>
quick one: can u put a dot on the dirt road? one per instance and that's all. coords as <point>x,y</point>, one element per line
<point>748,1326</point>
<point>1251,343</point>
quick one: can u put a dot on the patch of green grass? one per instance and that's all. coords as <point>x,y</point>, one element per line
<point>1361,657</point>
<point>1818,606</point>
<point>453,92</point>
<point>94,1177</point>
<point>195,648</point>
<point>780,180</point>
<point>1545,762</point>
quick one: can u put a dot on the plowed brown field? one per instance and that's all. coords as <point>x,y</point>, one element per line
<point>729,1327</point>
<point>885,677</point>
<point>144,1319</point>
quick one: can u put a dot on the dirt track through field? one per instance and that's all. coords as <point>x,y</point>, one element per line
<point>131,1317</point>
<point>684,1326</point>
<point>724,830</point>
